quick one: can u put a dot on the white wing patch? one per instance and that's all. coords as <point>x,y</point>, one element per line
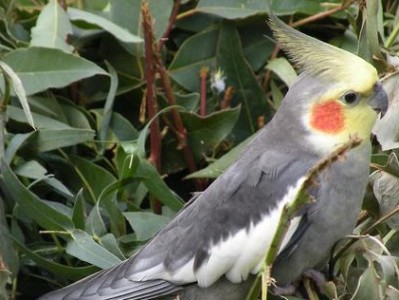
<point>242,253</point>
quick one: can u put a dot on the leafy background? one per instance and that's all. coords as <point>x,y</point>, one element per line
<point>114,111</point>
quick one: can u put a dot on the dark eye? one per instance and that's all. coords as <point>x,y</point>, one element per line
<point>350,98</point>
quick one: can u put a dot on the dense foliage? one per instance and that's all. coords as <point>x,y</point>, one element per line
<point>112,112</point>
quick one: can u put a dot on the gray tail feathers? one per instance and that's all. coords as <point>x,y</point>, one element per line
<point>112,284</point>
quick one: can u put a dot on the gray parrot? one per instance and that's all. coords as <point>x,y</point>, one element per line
<point>215,245</point>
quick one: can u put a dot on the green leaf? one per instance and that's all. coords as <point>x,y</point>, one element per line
<point>369,285</point>
<point>120,33</point>
<point>107,200</point>
<point>31,169</point>
<point>15,144</point>
<point>66,272</point>
<point>17,114</point>
<point>374,16</point>
<point>290,7</point>
<point>256,47</point>
<point>109,242</point>
<point>74,115</point>
<point>153,181</point>
<point>283,69</point>
<point>19,90</point>
<point>93,177</point>
<point>240,76</point>
<point>42,213</point>
<point>205,133</point>
<point>233,9</point>
<point>120,129</point>
<point>127,160</point>
<point>94,224</point>
<point>126,13</point>
<point>109,103</point>
<point>79,213</point>
<point>83,246</point>
<point>386,190</point>
<point>277,95</point>
<point>195,53</point>
<point>8,254</point>
<point>145,224</point>
<point>52,28</point>
<point>43,68</point>
<point>217,167</point>
<point>51,139</point>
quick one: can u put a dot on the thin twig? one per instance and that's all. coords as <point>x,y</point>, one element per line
<point>171,23</point>
<point>382,219</point>
<point>322,15</point>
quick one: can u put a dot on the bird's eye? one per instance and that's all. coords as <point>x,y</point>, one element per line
<point>350,97</point>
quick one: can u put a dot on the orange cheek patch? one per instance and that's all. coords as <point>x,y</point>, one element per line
<point>327,117</point>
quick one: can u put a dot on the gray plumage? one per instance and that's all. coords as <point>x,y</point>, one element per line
<point>240,198</point>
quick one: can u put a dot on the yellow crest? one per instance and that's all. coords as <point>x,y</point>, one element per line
<point>322,59</point>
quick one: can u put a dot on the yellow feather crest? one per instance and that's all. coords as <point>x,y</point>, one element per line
<point>322,59</point>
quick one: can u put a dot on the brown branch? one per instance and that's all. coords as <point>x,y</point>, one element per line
<point>321,15</point>
<point>152,105</point>
<point>382,219</point>
<point>179,130</point>
<point>171,23</point>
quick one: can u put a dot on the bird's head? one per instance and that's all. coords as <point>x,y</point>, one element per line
<point>348,95</point>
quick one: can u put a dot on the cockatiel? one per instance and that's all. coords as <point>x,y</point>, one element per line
<point>211,248</point>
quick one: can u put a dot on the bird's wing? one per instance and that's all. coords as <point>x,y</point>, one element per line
<point>225,231</point>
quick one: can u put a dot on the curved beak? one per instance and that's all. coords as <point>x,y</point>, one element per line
<point>379,99</point>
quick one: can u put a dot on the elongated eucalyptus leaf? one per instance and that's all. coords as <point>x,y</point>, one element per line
<point>43,214</point>
<point>52,28</point>
<point>107,113</point>
<point>42,68</point>
<point>217,167</point>
<point>63,271</point>
<point>145,224</point>
<point>86,249</point>
<point>117,31</point>
<point>233,9</point>
<point>50,139</point>
<point>19,90</point>
<point>155,184</point>
<point>205,133</point>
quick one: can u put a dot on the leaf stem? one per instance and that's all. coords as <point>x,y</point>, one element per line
<point>392,37</point>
